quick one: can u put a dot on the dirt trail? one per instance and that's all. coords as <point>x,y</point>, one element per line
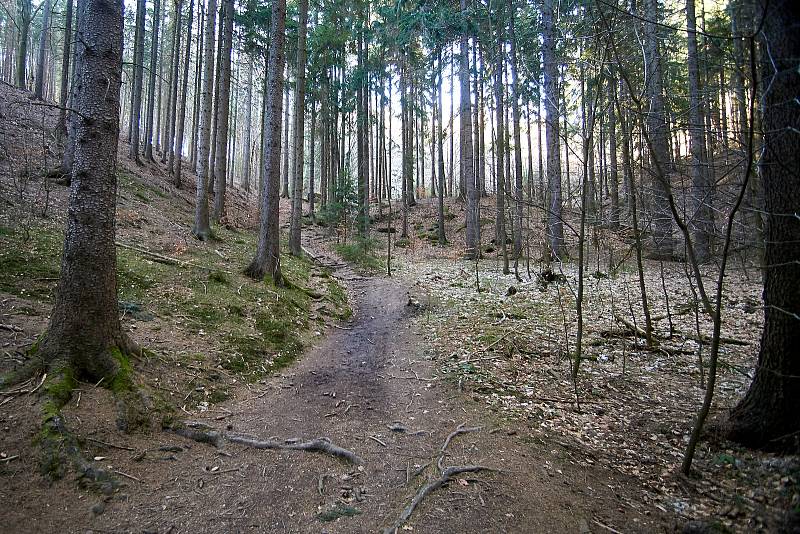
<point>361,378</point>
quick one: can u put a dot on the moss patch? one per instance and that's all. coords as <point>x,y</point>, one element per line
<point>340,510</point>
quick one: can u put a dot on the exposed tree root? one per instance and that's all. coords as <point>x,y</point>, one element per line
<point>446,475</point>
<point>460,429</point>
<point>430,487</point>
<point>203,433</point>
<point>59,446</point>
<point>317,445</point>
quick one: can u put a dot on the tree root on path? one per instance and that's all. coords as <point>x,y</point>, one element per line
<point>446,475</point>
<point>430,487</point>
<point>203,433</point>
<point>315,445</point>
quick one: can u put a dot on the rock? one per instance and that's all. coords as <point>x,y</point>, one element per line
<point>511,291</point>
<point>99,508</point>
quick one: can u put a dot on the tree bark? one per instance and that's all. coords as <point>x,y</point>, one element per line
<point>473,228</point>
<point>517,137</point>
<point>658,133</point>
<point>555,226</point>
<point>767,416</point>
<point>267,258</point>
<point>248,125</point>
<point>202,229</point>
<point>24,28</point>
<point>442,238</point>
<point>169,143</point>
<point>178,150</point>
<point>299,134</point>
<point>61,128</point>
<point>84,330</point>
<point>500,194</point>
<point>223,110</point>
<point>44,41</point>
<point>151,85</point>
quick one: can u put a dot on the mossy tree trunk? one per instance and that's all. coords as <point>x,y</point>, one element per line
<point>84,333</point>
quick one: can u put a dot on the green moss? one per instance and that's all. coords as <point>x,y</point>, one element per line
<point>360,254</point>
<point>340,510</point>
<point>30,261</point>
<point>219,277</point>
<point>58,388</point>
<point>123,380</point>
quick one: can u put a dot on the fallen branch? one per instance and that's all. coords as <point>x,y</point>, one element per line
<point>10,327</point>
<point>632,327</point>
<point>111,445</point>
<point>430,487</point>
<point>160,258</point>
<point>706,340</point>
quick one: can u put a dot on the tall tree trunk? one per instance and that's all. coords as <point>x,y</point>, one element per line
<point>267,258</point>
<point>178,151</point>
<point>767,416</point>
<point>61,129</point>
<point>212,152</point>
<point>312,193</point>
<point>362,132</point>
<point>138,80</point>
<point>473,228</point>
<point>299,133</point>
<point>202,229</point>
<point>24,14</point>
<point>84,330</point>
<point>555,226</point>
<point>170,148</point>
<point>248,125</point>
<point>440,146</point>
<point>223,110</point>
<point>517,137</point>
<point>286,147</point>
<point>658,133</point>
<point>198,80</point>
<point>500,215</point>
<point>151,89</point>
<point>75,86</point>
<point>44,42</point>
<point>613,167</point>
<point>701,219</point>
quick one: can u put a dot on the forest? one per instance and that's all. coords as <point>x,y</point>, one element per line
<point>423,265</point>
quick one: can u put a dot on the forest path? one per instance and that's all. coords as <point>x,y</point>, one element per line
<point>362,377</point>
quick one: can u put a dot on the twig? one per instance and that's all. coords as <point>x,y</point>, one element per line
<point>375,439</point>
<point>126,475</point>
<point>121,447</point>
<point>341,327</point>
<point>606,526</point>
<point>8,459</point>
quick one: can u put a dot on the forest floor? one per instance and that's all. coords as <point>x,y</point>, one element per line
<point>413,374</point>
